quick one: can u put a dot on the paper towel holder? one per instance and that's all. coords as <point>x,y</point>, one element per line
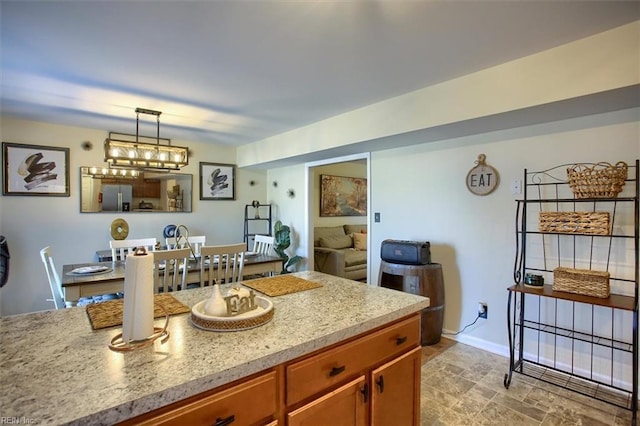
<point>119,345</point>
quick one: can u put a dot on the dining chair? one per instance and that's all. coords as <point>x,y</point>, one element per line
<point>196,242</point>
<point>121,248</point>
<point>263,244</point>
<point>221,264</point>
<point>170,269</point>
<point>54,280</point>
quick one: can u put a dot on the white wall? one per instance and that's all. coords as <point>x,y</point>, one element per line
<point>290,210</point>
<point>423,197</point>
<point>31,223</point>
<point>421,194</point>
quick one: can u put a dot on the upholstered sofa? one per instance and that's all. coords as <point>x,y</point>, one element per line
<point>341,251</point>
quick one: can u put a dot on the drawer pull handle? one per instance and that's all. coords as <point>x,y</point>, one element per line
<point>380,383</point>
<point>401,340</point>
<point>225,422</point>
<point>365,393</point>
<point>336,370</point>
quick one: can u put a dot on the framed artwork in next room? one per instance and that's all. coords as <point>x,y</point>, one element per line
<point>343,196</point>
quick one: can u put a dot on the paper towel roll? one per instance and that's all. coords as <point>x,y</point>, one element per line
<point>137,316</point>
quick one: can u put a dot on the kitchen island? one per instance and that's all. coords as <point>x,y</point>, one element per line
<point>54,369</point>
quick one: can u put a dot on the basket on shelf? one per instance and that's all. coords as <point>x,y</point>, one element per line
<point>585,223</point>
<point>581,281</point>
<point>601,180</point>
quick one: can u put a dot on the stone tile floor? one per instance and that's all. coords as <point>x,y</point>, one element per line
<point>462,385</point>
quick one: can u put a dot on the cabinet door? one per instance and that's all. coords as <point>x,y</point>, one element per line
<point>395,399</point>
<point>345,406</point>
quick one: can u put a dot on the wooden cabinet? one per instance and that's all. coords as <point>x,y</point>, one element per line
<point>346,406</point>
<point>250,402</point>
<point>395,391</point>
<point>146,188</point>
<point>380,370</point>
<point>373,379</point>
<point>330,367</point>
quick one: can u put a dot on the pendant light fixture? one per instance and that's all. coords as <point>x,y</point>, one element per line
<point>123,150</point>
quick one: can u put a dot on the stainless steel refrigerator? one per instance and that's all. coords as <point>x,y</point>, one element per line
<point>117,198</point>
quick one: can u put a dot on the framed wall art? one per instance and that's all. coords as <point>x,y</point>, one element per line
<point>35,170</point>
<point>217,181</point>
<point>343,196</point>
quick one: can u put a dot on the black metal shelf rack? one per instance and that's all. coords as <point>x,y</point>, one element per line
<point>261,220</point>
<point>576,341</point>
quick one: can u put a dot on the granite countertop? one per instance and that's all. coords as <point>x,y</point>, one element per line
<point>54,369</point>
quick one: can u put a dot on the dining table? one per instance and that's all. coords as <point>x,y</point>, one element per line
<point>98,278</point>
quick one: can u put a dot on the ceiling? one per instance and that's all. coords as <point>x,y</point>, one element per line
<point>236,72</point>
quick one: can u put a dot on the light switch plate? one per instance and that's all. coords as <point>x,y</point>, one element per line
<point>516,187</point>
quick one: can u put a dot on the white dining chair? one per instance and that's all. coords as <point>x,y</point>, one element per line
<point>121,248</point>
<point>221,264</point>
<point>263,244</point>
<point>170,269</point>
<point>54,280</point>
<point>196,242</point>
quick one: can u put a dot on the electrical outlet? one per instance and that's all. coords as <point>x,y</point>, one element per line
<point>483,310</point>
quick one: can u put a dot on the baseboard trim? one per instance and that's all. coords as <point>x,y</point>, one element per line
<point>485,345</point>
<point>503,350</point>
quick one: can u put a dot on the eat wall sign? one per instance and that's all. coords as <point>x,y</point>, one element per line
<point>482,179</point>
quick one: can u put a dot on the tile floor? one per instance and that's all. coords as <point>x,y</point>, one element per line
<point>462,385</point>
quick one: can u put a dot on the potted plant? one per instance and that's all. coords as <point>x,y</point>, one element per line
<point>282,241</point>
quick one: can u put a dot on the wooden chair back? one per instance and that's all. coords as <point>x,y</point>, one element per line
<point>170,269</point>
<point>121,248</point>
<point>221,264</point>
<point>196,242</point>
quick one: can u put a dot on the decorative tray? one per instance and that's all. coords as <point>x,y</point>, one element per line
<point>255,318</point>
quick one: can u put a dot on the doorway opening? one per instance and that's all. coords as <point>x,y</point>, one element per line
<point>353,166</point>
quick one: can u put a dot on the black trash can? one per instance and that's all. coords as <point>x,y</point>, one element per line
<point>423,280</point>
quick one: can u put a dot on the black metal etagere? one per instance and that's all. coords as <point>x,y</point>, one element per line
<point>560,337</point>
<point>257,220</point>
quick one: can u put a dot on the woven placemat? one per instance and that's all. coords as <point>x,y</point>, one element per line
<point>281,284</point>
<point>109,314</point>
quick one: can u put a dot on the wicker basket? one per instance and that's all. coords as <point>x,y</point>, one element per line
<point>601,180</point>
<point>581,281</point>
<point>585,223</point>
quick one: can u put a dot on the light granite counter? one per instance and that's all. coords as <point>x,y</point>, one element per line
<point>54,369</point>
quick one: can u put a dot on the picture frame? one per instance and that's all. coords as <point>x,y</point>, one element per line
<point>35,170</point>
<point>217,181</point>
<point>343,196</point>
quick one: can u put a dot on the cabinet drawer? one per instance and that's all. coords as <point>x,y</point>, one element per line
<point>334,366</point>
<point>249,403</point>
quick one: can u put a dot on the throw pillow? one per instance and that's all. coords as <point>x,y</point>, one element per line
<point>337,242</point>
<point>360,241</point>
